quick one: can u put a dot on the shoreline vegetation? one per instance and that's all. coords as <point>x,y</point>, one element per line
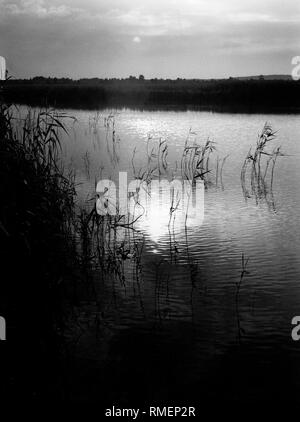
<point>224,95</point>
<point>53,249</point>
<point>41,269</point>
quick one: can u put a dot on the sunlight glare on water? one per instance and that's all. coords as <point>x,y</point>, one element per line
<point>187,270</point>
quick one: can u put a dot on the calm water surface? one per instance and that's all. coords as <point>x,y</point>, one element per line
<point>173,317</point>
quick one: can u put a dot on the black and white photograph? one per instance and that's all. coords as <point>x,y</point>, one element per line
<point>149,207</point>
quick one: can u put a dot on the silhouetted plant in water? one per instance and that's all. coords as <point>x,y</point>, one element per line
<point>195,160</point>
<point>162,155</point>
<point>259,167</point>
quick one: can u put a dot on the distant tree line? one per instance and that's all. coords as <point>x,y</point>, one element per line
<point>230,94</point>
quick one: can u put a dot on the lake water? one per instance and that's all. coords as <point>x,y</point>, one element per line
<point>176,322</point>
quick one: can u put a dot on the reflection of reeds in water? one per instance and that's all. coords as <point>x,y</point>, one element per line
<point>94,123</point>
<point>114,246</point>
<point>243,273</point>
<point>112,243</point>
<point>112,140</point>
<point>257,174</point>
<point>108,242</point>
<point>87,164</point>
<point>161,293</point>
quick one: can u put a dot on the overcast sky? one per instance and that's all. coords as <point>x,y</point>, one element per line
<point>157,38</point>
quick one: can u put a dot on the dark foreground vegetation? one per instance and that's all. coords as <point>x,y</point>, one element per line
<point>234,95</point>
<point>38,261</point>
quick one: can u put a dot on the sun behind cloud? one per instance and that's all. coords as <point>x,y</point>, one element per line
<point>136,39</point>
